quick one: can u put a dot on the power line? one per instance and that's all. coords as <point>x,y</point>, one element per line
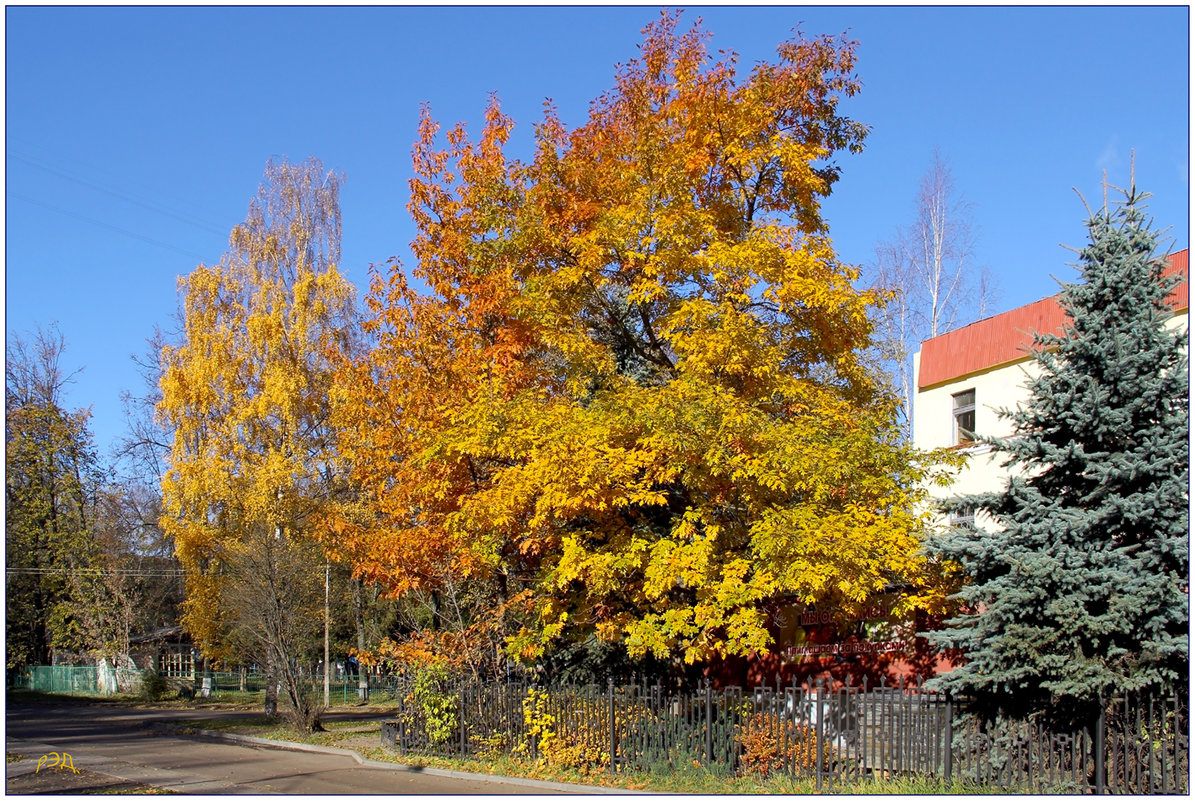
<point>151,241</point>
<point>180,216</point>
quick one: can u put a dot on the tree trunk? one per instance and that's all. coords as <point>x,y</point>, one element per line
<point>306,712</point>
<point>359,619</point>
<point>271,708</point>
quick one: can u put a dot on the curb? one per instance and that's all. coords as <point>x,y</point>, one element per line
<point>282,745</point>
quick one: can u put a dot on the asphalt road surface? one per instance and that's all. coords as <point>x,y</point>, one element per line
<point>116,741</point>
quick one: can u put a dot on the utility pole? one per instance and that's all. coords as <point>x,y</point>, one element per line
<point>327,639</point>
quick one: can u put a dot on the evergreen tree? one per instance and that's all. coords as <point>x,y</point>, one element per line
<point>1079,588</point>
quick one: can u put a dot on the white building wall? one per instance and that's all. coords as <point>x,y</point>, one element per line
<point>933,421</point>
<point>995,388</point>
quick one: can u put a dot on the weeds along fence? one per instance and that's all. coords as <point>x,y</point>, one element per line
<point>1139,744</point>
<point>829,734</point>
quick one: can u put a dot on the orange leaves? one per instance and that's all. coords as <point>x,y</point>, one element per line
<point>636,385</point>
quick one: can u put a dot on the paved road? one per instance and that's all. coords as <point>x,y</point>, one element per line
<point>116,741</point>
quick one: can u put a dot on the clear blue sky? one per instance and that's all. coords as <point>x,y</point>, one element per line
<point>136,137</point>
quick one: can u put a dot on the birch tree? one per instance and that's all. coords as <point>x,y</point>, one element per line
<point>931,268</point>
<point>245,395</point>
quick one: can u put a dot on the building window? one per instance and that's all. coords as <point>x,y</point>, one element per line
<point>964,417</point>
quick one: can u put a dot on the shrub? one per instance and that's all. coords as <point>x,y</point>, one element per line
<point>154,686</point>
<point>439,707</point>
<point>770,745</point>
<point>488,746</point>
<point>572,749</point>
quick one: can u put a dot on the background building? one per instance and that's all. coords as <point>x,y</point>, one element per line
<point>964,376</point>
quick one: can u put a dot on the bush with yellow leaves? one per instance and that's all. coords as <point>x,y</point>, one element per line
<point>769,745</point>
<point>573,747</point>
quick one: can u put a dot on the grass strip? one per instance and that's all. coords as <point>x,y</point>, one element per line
<point>690,780</point>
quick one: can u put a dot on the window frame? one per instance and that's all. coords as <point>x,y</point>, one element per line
<point>956,412</point>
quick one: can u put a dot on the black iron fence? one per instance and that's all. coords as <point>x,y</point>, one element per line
<point>1140,744</point>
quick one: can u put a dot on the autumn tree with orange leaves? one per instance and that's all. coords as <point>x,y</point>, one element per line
<point>633,405</point>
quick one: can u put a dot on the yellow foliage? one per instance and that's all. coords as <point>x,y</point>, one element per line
<point>771,745</point>
<point>568,748</point>
<point>245,390</point>
<point>638,387</point>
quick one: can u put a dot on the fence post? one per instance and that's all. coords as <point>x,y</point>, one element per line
<point>709,725</point>
<point>613,733</point>
<point>949,768</point>
<point>820,761</point>
<point>1099,747</point>
<point>461,716</point>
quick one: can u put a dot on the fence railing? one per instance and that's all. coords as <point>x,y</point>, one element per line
<point>92,680</point>
<point>844,733</point>
<point>1140,743</point>
<point>79,680</point>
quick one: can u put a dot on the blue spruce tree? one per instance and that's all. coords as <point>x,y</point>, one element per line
<point>1078,589</point>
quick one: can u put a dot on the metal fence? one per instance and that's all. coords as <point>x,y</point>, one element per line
<point>343,690</point>
<point>1140,744</point>
<point>79,680</point>
<point>90,680</point>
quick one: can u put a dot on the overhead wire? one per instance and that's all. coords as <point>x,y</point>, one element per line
<point>109,226</point>
<point>165,210</point>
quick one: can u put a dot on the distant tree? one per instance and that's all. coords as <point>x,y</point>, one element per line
<point>272,594</point>
<point>1079,588</point>
<point>50,473</point>
<point>245,397</point>
<point>77,544</point>
<point>139,462</point>
<point>103,604</point>
<point>930,266</point>
<point>143,449</point>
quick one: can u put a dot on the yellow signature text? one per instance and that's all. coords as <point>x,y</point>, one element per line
<point>53,759</point>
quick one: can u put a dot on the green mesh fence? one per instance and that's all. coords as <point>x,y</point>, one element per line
<point>225,684</point>
<point>80,680</point>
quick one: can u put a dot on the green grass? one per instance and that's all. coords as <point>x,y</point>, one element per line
<point>700,781</point>
<point>688,780</point>
<point>279,729</point>
<point>917,786</point>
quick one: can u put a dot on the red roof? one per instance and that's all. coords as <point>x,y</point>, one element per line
<point>1007,337</point>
